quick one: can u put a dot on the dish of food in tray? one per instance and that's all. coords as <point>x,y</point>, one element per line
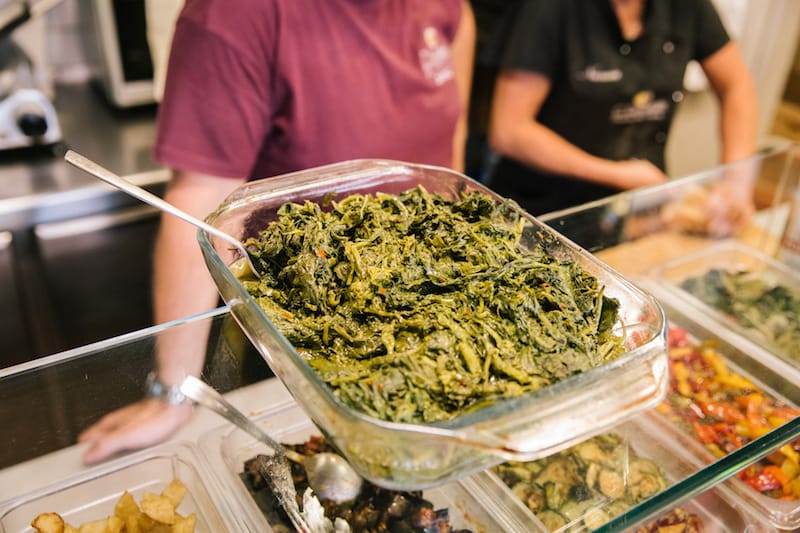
<point>230,449</point>
<point>162,488</point>
<point>585,486</point>
<point>375,509</point>
<point>766,307</point>
<point>452,390</point>
<point>725,410</point>
<point>155,513</point>
<point>751,293</point>
<point>721,397</point>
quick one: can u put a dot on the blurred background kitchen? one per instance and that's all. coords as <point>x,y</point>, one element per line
<point>75,255</point>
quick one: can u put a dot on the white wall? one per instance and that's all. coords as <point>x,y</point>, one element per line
<point>768,35</point>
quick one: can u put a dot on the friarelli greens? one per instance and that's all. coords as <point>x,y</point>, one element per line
<point>415,308</point>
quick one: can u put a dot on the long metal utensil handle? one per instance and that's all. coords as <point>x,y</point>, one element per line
<point>147,197</point>
<point>276,468</point>
<point>208,397</point>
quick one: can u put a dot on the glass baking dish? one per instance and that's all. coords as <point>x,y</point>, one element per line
<point>719,509</point>
<point>227,448</point>
<point>93,494</point>
<point>733,256</point>
<point>414,456</point>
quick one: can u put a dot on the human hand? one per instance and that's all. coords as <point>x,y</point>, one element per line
<point>635,173</point>
<point>719,211</point>
<point>730,209</point>
<point>137,425</point>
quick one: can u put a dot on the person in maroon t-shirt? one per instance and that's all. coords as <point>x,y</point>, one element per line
<point>257,88</point>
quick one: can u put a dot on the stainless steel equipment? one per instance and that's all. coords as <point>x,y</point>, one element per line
<point>118,50</point>
<point>27,116</point>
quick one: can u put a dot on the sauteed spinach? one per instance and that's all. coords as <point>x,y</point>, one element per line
<point>416,308</point>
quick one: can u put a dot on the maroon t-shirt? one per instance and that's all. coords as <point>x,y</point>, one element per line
<point>257,88</point>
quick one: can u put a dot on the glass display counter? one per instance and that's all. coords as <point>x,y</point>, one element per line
<point>44,404</point>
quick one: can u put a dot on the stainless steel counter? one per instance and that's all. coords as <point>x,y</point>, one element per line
<point>37,186</point>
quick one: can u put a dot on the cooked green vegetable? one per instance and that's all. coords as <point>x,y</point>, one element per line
<point>416,308</point>
<point>756,303</point>
<point>586,485</point>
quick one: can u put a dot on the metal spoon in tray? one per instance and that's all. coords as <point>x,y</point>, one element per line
<point>330,476</point>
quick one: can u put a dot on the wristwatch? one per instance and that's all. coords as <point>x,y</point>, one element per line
<point>155,388</point>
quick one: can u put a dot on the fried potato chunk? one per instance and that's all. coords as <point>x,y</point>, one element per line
<point>155,513</point>
<point>48,523</point>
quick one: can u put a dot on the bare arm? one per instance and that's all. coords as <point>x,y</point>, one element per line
<point>513,132</point>
<point>735,89</point>
<point>728,207</point>
<point>182,285</point>
<point>463,60</point>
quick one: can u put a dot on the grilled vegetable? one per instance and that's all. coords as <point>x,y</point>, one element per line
<point>374,510</point>
<point>414,308</point>
<point>586,485</point>
<point>767,308</point>
<point>725,411</point>
<point>677,521</point>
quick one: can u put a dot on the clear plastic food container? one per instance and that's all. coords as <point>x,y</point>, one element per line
<point>227,448</point>
<point>414,456</point>
<point>647,441</point>
<point>733,256</point>
<point>93,494</point>
<point>776,384</point>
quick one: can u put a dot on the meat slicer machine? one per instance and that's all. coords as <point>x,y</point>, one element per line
<point>27,115</point>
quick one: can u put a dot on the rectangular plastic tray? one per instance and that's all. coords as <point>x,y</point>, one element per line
<point>413,456</point>
<point>731,256</point>
<point>719,513</point>
<point>92,495</point>
<point>227,448</point>
<point>779,384</point>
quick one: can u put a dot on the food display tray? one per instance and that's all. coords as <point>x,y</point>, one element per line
<point>227,448</point>
<point>720,510</point>
<point>732,256</point>
<point>407,456</point>
<point>93,494</point>
<point>755,365</point>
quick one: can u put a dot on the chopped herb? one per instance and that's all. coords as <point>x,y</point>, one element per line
<point>417,308</point>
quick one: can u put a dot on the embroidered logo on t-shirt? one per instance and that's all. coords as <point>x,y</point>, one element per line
<point>643,107</point>
<point>596,74</point>
<point>435,57</point>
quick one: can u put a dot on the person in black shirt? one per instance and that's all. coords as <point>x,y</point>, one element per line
<point>587,90</point>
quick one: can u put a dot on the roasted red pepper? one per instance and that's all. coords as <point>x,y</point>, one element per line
<point>725,411</point>
<point>722,411</point>
<point>770,478</point>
